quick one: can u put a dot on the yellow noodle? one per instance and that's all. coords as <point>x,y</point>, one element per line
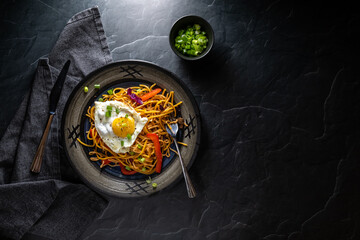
<point>159,110</point>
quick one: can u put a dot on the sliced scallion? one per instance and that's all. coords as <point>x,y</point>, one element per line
<point>148,181</point>
<point>128,136</point>
<point>191,41</point>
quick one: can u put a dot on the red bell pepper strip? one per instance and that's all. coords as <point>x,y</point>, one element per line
<point>150,94</point>
<point>125,171</point>
<point>155,138</point>
<point>92,132</point>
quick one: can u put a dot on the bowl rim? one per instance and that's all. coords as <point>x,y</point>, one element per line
<point>208,48</point>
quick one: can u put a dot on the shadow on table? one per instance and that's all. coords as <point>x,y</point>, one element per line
<point>214,68</point>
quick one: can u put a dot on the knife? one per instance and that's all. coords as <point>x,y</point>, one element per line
<point>54,99</point>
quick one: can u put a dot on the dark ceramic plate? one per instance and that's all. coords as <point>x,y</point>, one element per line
<point>109,180</point>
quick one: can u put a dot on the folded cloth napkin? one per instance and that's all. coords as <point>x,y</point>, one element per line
<point>52,204</point>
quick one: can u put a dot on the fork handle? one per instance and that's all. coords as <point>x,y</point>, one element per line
<point>37,161</point>
<point>189,186</point>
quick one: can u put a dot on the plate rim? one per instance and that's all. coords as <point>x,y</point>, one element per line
<point>151,65</point>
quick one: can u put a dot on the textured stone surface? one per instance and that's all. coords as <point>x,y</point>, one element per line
<point>279,97</point>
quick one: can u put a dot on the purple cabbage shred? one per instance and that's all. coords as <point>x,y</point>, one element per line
<point>134,97</point>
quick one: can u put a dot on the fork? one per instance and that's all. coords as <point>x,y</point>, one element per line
<point>189,186</point>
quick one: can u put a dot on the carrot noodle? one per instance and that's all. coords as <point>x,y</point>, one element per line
<point>160,110</point>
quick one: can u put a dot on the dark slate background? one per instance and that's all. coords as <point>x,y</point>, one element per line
<point>279,97</point>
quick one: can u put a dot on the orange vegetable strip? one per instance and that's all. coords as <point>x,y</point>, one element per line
<point>150,94</point>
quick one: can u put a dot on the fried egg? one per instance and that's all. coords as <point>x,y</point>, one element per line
<point>118,124</point>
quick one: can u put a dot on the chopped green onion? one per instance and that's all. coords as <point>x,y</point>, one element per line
<point>128,168</point>
<point>100,100</point>
<point>124,125</point>
<point>139,146</point>
<point>154,185</point>
<point>148,181</point>
<point>117,110</point>
<point>108,111</point>
<point>97,86</point>
<point>110,91</point>
<point>122,143</point>
<point>128,136</point>
<point>131,153</point>
<point>191,41</point>
<point>86,89</point>
<point>126,115</point>
<point>143,169</point>
<point>141,159</point>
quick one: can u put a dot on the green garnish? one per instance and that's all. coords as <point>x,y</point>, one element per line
<point>122,143</point>
<point>128,168</point>
<point>131,153</point>
<point>141,159</point>
<point>154,185</point>
<point>100,100</point>
<point>128,136</point>
<point>117,110</point>
<point>191,41</point>
<point>143,169</point>
<point>126,115</point>
<point>110,91</point>
<point>97,86</point>
<point>148,181</point>
<point>124,125</point>
<point>139,146</point>
<point>86,89</point>
<point>108,111</point>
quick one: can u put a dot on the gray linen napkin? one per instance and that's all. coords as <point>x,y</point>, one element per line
<point>52,204</point>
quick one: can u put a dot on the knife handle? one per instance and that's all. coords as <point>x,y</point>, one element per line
<point>36,164</point>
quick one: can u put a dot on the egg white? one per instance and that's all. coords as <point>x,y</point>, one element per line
<point>103,124</point>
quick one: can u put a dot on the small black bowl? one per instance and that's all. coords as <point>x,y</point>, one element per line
<point>190,20</point>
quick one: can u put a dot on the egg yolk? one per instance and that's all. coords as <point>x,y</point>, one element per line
<point>123,126</point>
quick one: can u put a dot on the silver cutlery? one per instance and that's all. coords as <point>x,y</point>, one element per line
<point>189,186</point>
